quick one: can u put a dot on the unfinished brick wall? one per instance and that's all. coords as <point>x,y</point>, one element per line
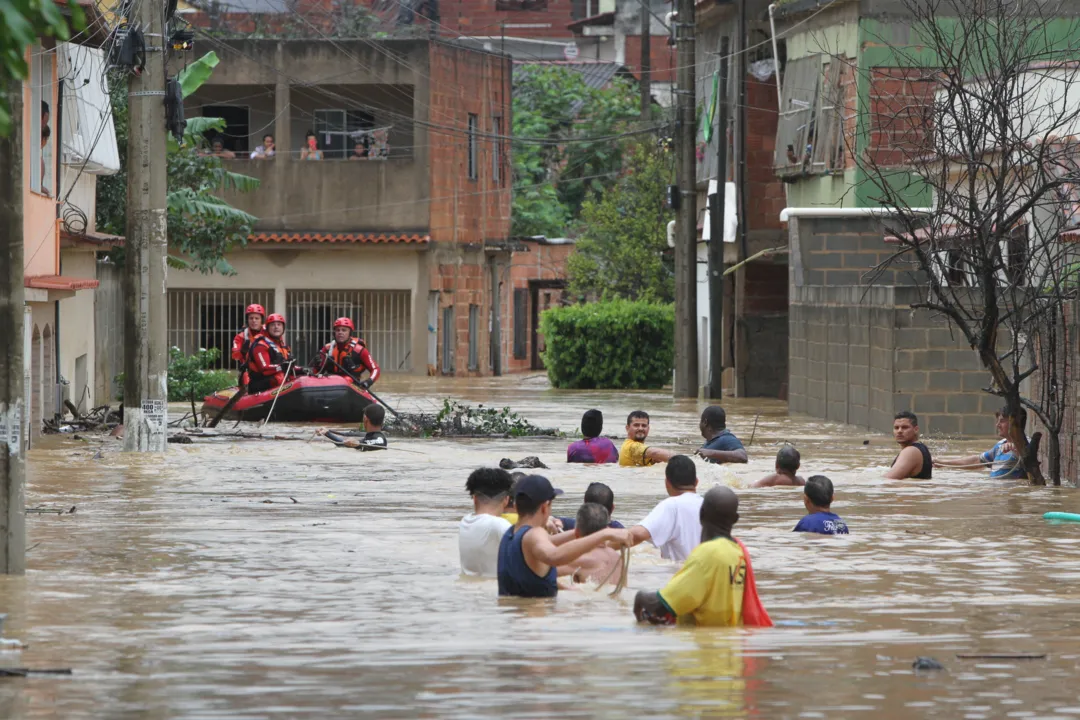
<point>859,354</point>
<point>542,18</point>
<point>900,119</point>
<point>662,62</point>
<point>765,192</point>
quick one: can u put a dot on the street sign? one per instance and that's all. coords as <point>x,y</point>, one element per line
<point>571,52</point>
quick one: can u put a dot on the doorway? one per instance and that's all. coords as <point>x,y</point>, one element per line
<point>544,295</point>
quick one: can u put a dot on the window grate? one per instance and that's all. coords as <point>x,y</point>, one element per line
<point>210,319</point>
<point>473,126</point>
<point>383,319</point>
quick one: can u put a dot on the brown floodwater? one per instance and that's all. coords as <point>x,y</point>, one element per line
<point>258,579</point>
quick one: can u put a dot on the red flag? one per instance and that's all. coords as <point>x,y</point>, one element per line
<point>753,612</point>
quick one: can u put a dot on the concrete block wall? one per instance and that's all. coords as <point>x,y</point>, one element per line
<point>859,354</point>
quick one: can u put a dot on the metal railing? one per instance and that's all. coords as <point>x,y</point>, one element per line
<point>383,318</point>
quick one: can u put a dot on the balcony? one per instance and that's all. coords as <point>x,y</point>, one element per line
<point>335,195</point>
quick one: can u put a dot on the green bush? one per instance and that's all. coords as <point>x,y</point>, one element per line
<point>190,380</point>
<point>618,344</point>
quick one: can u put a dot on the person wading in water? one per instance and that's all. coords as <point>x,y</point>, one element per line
<point>914,460</point>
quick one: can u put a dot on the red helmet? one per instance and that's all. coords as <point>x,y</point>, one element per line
<point>255,308</point>
<point>344,322</point>
<point>276,317</point>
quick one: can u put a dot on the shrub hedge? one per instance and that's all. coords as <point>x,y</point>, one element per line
<point>615,344</point>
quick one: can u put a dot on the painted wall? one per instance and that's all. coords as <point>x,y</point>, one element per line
<point>77,327</point>
<point>41,241</point>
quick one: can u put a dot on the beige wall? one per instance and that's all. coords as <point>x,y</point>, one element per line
<point>77,325</point>
<point>41,243</point>
<point>308,267</point>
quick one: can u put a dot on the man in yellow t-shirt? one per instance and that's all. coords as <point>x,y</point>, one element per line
<point>708,589</point>
<point>634,452</point>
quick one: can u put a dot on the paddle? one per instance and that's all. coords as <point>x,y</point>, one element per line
<point>368,390</point>
<point>241,390</point>
<point>278,393</point>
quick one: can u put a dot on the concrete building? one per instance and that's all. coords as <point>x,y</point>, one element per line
<point>69,139</point>
<point>755,307</point>
<point>412,242</point>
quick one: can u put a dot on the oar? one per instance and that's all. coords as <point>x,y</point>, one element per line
<point>368,390</point>
<point>288,367</point>
<point>241,390</point>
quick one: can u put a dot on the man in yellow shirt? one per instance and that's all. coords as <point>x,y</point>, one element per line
<point>710,587</point>
<point>634,452</point>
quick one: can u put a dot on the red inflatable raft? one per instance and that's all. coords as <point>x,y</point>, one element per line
<point>329,399</point>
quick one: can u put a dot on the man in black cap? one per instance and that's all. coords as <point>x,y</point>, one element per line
<point>529,561</point>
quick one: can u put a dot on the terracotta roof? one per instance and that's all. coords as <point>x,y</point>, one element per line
<point>606,18</point>
<point>316,237</point>
<point>90,239</point>
<point>58,282</point>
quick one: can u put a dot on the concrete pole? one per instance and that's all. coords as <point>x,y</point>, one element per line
<point>12,467</point>
<point>716,243</point>
<point>686,353</point>
<point>146,351</point>
<point>646,61</point>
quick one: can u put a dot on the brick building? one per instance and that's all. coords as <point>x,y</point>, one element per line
<point>403,221</point>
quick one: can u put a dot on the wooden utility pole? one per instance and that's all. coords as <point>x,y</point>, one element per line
<point>146,351</point>
<point>686,353</point>
<point>646,61</point>
<point>716,234</point>
<point>742,178</point>
<point>12,464</point>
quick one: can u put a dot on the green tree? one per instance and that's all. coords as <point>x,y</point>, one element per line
<point>202,227</point>
<point>559,168</point>
<point>21,23</point>
<point>622,251</point>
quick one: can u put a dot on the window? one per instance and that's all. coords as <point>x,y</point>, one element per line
<point>335,129</point>
<point>237,126</point>
<point>505,5</point>
<point>473,124</point>
<point>798,112</point>
<point>521,322</point>
<point>496,151</point>
<point>448,338</point>
<point>828,147</point>
<point>474,337</point>
<point>40,119</point>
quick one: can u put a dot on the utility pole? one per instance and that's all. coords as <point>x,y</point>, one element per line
<point>716,234</point>
<point>738,329</point>
<point>646,61</point>
<point>12,463</point>
<point>686,353</point>
<point>146,352</point>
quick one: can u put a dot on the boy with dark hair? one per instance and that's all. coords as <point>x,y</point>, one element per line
<point>716,585</point>
<point>818,497</point>
<point>601,564</point>
<point>914,460</point>
<point>787,464</point>
<point>374,438</point>
<point>600,494</point>
<point>674,525</point>
<point>481,531</point>
<point>634,452</point>
<point>721,445</point>
<point>530,560</point>
<point>592,448</point>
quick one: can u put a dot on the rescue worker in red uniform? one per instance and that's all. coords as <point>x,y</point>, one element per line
<point>268,366</point>
<point>241,344</point>
<point>350,354</point>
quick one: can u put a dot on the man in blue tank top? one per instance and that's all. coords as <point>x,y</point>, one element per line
<point>530,560</point>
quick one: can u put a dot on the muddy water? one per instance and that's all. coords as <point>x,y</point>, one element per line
<point>177,590</point>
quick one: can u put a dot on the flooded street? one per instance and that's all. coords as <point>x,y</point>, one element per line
<point>288,579</point>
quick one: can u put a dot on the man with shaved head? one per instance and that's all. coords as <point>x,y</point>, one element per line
<point>787,465</point>
<point>715,587</point>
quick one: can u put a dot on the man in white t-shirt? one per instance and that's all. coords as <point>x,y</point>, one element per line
<point>481,531</point>
<point>674,525</point>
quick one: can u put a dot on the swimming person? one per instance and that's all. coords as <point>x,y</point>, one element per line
<point>715,587</point>
<point>1001,459</point>
<point>374,437</point>
<point>634,452</point>
<point>721,445</point>
<point>600,494</point>
<point>818,497</point>
<point>914,460</point>
<point>788,461</point>
<point>674,525</point>
<point>529,560</point>
<point>481,531</point>
<point>592,448</point>
<point>601,564</point>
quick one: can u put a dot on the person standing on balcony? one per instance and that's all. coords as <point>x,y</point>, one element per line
<point>270,357</point>
<point>347,355</point>
<point>266,150</point>
<point>241,344</point>
<point>311,149</point>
